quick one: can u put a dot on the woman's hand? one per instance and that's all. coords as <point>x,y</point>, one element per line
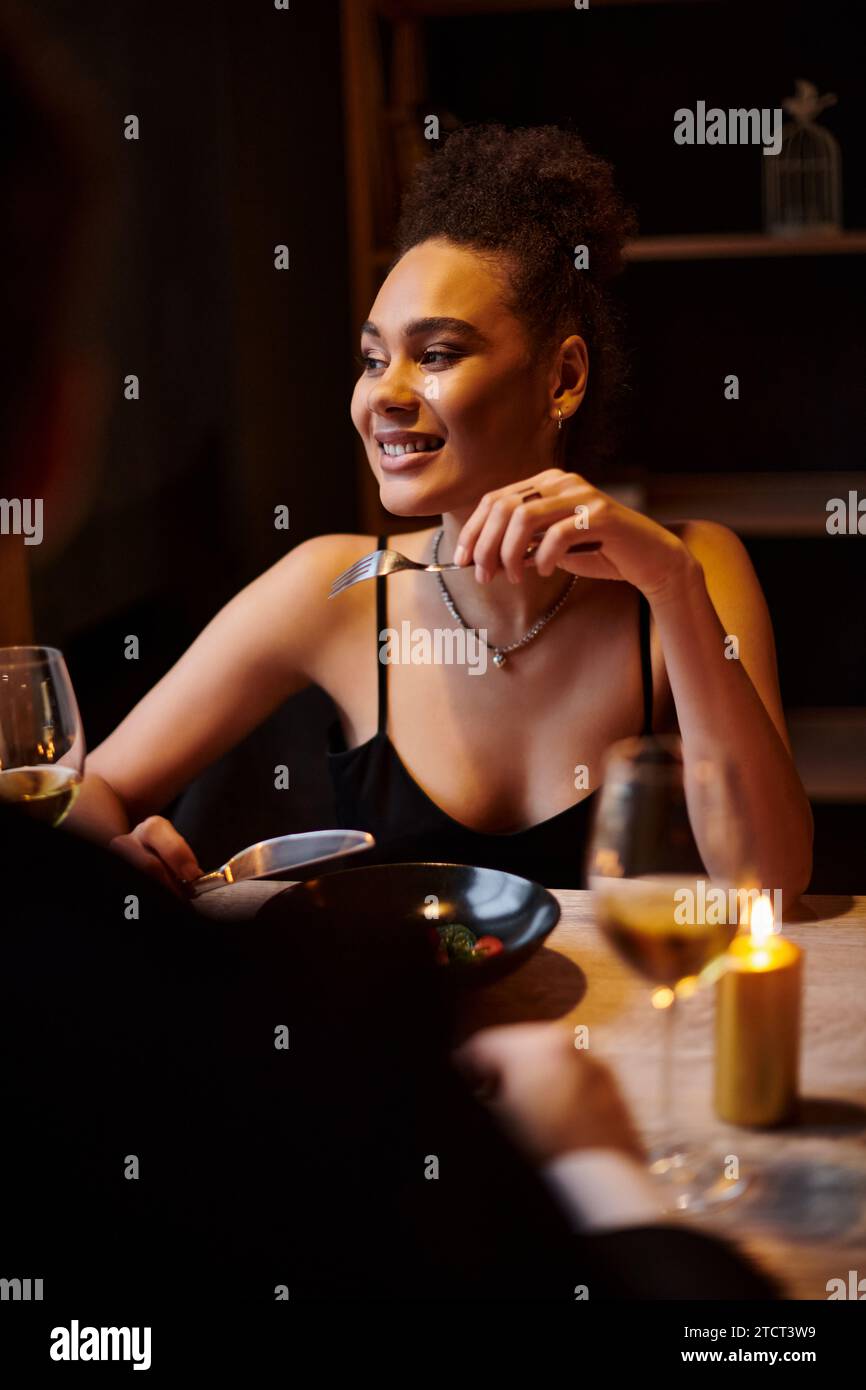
<point>551,1098</point>
<point>570,511</point>
<point>155,847</point>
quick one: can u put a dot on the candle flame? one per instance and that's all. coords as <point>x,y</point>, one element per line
<point>662,998</point>
<point>761,921</point>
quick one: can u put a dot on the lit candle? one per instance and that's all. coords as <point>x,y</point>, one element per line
<point>758,1025</point>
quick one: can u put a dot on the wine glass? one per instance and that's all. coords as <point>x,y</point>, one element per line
<point>41,738</point>
<point>665,895</point>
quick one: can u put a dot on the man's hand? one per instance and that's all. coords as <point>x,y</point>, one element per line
<point>551,1098</point>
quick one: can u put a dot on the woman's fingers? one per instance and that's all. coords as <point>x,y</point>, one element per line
<point>487,551</point>
<point>506,521</point>
<point>156,848</point>
<point>526,523</point>
<point>470,533</point>
<point>563,534</point>
<point>131,849</point>
<point>159,835</point>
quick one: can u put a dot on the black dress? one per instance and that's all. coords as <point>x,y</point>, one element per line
<point>375,792</point>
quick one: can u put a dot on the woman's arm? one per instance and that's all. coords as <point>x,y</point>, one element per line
<point>98,812</point>
<point>701,588</point>
<point>730,705</point>
<point>256,652</point>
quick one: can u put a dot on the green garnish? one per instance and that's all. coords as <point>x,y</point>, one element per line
<point>458,941</point>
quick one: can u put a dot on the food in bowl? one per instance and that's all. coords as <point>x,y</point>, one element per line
<point>455,942</point>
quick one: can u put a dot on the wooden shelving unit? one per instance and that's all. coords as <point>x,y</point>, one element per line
<point>744,245</point>
<point>420,8</point>
<point>752,504</point>
<point>829,748</point>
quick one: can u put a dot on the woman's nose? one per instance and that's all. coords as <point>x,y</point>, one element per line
<point>391,391</point>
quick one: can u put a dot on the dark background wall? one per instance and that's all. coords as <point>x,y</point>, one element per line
<point>245,371</point>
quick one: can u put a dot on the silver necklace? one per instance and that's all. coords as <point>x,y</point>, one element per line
<point>499,653</point>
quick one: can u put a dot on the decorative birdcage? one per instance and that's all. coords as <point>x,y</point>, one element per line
<point>803,182</point>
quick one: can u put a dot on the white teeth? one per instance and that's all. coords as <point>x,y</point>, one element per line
<point>415,446</point>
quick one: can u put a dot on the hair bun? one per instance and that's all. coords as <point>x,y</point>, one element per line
<point>546,176</point>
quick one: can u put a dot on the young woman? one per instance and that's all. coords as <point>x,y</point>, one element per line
<point>490,366</point>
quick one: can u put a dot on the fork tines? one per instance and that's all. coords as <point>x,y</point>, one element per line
<point>365,568</point>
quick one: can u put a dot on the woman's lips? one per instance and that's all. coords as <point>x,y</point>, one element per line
<point>404,463</point>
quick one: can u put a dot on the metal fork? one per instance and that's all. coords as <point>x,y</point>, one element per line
<point>381,562</point>
<point>384,562</point>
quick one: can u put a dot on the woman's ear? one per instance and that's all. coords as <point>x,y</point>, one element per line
<point>571,376</point>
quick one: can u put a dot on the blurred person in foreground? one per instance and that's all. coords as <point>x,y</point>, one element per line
<point>158,1148</point>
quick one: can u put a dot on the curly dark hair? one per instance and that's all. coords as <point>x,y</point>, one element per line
<point>533,195</point>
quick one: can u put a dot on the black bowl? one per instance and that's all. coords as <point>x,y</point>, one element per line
<point>488,901</point>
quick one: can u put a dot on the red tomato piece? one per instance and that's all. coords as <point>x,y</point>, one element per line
<point>488,946</point>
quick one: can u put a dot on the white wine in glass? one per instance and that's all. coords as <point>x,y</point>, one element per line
<point>650,873</point>
<point>640,916</point>
<point>41,738</point>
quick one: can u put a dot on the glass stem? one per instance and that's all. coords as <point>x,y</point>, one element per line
<point>667,1077</point>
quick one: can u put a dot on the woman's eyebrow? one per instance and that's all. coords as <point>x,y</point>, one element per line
<point>417,327</point>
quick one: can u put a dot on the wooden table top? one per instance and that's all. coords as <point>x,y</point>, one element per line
<point>804,1215</point>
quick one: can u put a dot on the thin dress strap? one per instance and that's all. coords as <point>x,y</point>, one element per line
<point>646,664</point>
<point>381,623</point>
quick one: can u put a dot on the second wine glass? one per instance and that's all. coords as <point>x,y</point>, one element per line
<point>652,885</point>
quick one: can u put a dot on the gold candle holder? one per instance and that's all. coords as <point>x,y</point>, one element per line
<point>758,1026</point>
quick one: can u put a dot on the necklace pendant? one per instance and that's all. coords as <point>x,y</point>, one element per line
<point>499,659</point>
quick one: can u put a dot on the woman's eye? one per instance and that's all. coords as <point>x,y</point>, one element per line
<point>439,357</point>
<point>431,357</point>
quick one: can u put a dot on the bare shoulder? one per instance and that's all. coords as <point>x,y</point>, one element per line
<point>727,569</point>
<point>320,552</point>
<point>329,637</point>
<point>288,606</point>
<point>711,542</point>
<point>735,593</point>
<point>309,569</point>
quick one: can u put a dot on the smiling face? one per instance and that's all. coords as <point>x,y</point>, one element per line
<point>448,367</point>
